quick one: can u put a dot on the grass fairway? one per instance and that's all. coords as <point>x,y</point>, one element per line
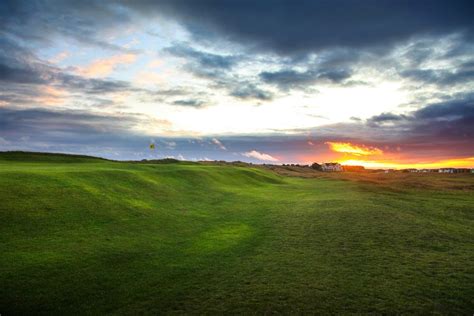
<point>89,236</point>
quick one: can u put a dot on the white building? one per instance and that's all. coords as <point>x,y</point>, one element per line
<point>331,166</point>
<point>446,170</point>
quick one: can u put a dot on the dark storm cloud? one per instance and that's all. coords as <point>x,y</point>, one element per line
<point>294,27</point>
<point>283,26</point>
<point>280,25</point>
<point>342,33</point>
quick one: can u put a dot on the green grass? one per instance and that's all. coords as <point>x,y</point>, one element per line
<point>86,236</point>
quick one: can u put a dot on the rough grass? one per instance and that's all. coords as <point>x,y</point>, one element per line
<point>87,236</point>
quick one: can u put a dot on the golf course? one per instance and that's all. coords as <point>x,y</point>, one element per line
<point>84,235</point>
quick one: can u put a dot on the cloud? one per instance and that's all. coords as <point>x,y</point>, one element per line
<point>447,61</point>
<point>202,59</point>
<point>444,77</point>
<point>357,150</point>
<point>448,110</point>
<point>259,156</point>
<point>257,25</point>
<point>26,79</point>
<point>92,85</point>
<point>59,57</point>
<point>249,91</point>
<point>169,144</point>
<point>3,141</point>
<point>103,67</point>
<point>218,69</point>
<point>155,63</point>
<point>385,118</point>
<point>409,140</point>
<point>458,109</point>
<point>179,95</point>
<point>288,79</point>
<point>190,102</point>
<point>113,135</point>
<point>321,24</point>
<point>18,65</point>
<point>20,75</point>
<point>81,123</point>
<point>87,22</point>
<point>218,143</point>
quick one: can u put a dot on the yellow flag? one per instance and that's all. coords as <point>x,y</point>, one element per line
<point>152,146</point>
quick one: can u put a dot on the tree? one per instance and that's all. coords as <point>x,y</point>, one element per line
<point>316,166</point>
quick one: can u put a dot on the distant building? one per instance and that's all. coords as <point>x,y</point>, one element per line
<point>456,170</point>
<point>447,170</point>
<point>331,166</point>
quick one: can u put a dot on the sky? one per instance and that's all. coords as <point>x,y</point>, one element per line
<point>383,84</point>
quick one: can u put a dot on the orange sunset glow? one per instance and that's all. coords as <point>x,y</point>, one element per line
<point>357,150</point>
<point>384,164</point>
<point>352,155</point>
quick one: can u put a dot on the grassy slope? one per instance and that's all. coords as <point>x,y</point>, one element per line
<point>82,235</point>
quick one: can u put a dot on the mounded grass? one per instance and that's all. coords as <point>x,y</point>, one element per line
<point>81,235</point>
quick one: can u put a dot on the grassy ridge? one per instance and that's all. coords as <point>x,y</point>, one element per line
<point>95,236</point>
